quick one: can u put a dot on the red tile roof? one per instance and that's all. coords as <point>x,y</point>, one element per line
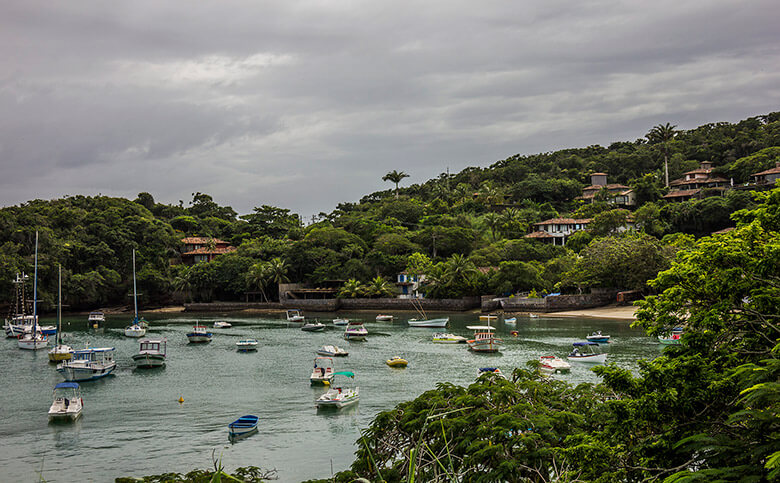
<point>775,170</point>
<point>679,193</point>
<point>564,221</point>
<point>539,234</point>
<point>725,230</point>
<point>201,240</point>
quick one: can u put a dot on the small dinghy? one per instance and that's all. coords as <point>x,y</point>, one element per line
<point>384,318</point>
<point>67,403</point>
<point>313,327</point>
<point>510,320</point>
<point>447,338</point>
<point>222,325</point>
<point>552,365</point>
<point>340,322</point>
<point>429,322</point>
<point>397,362</point>
<point>246,345</point>
<point>332,351</point>
<point>598,337</point>
<point>243,425</point>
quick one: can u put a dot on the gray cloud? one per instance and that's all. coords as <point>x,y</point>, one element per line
<point>306,104</point>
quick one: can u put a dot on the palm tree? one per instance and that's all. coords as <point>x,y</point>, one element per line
<point>181,282</point>
<point>379,288</point>
<point>258,277</point>
<point>493,222</point>
<point>459,268</point>
<point>662,134</point>
<point>395,177</point>
<point>351,289</point>
<point>277,271</point>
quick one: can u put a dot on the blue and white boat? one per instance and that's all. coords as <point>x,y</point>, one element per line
<point>67,404</point>
<point>200,334</point>
<point>587,352</point>
<point>339,397</point>
<point>88,364</point>
<point>598,337</point>
<point>243,425</point>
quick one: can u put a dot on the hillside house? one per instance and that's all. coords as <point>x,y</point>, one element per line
<point>557,230</point>
<point>768,177</point>
<point>693,182</point>
<point>616,194</point>
<point>203,249</point>
<point>409,285</point>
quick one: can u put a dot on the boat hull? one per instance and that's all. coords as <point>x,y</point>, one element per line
<point>313,328</point>
<point>199,338</point>
<point>589,358</point>
<point>397,362</point>
<point>132,332</point>
<point>333,399</point>
<point>85,373</point>
<point>148,361</point>
<point>484,345</point>
<point>62,414</point>
<point>429,323</point>
<point>59,355</point>
<point>33,344</point>
<point>243,425</point>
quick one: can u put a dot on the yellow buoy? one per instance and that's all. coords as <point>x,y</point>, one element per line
<point>181,399</point>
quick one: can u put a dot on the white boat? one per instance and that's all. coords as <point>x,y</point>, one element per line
<point>587,352</point>
<point>598,337</point>
<point>313,327</point>
<point>429,322</point>
<point>673,338</point>
<point>488,317</point>
<point>510,320</point>
<point>246,345</point>
<point>332,351</point>
<point>294,315</point>
<point>340,322</point>
<point>88,364</point>
<point>34,339</point>
<point>384,318</point>
<point>534,316</point>
<point>447,338</point>
<point>552,365</point>
<point>96,320</point>
<point>323,371</point>
<point>484,339</point>
<point>222,325</point>
<point>492,371</point>
<point>67,403</point>
<point>14,327</point>
<point>199,334</point>
<point>355,331</point>
<point>151,354</point>
<point>136,328</point>
<point>60,352</point>
<point>339,397</point>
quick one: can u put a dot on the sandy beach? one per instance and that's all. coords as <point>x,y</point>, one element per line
<point>627,312</point>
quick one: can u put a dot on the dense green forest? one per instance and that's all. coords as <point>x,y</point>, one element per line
<point>446,227</point>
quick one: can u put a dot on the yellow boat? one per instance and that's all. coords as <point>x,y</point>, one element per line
<point>397,362</point>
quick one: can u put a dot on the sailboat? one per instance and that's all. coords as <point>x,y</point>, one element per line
<point>135,329</point>
<point>60,352</point>
<point>34,339</point>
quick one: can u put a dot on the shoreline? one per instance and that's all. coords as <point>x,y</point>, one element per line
<point>620,312</point>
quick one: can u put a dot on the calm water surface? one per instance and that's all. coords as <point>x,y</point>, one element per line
<point>132,424</point>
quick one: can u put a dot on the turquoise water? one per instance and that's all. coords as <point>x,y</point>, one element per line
<point>133,424</point>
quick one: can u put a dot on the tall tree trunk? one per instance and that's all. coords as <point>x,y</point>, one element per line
<point>666,169</point>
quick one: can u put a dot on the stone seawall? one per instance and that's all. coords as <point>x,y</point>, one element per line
<point>445,305</point>
<point>558,303</point>
<point>231,306</point>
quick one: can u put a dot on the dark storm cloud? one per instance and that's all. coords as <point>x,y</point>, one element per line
<point>306,104</point>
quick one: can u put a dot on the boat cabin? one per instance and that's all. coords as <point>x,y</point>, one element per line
<point>103,355</point>
<point>153,346</point>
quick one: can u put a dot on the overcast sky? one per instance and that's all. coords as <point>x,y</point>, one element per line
<point>304,104</point>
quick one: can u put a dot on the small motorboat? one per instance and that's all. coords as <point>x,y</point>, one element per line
<point>96,320</point>
<point>135,330</point>
<point>323,371</point>
<point>88,364</point>
<point>355,331</point>
<point>243,425</point>
<point>199,334</point>
<point>397,362</point>
<point>67,403</point>
<point>384,318</point>
<point>339,397</point>
<point>447,338</point>
<point>332,351</point>
<point>221,324</point>
<point>151,354</point>
<point>552,364</point>
<point>340,322</point>
<point>488,317</point>
<point>598,337</point>
<point>587,352</point>
<point>246,345</point>
<point>484,339</point>
<point>33,339</point>
<point>60,352</point>
<point>534,316</point>
<point>429,322</point>
<point>492,371</point>
<point>510,320</point>
<point>313,327</point>
<point>294,315</point>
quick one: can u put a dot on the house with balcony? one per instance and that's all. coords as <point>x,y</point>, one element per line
<point>768,177</point>
<point>409,285</point>
<point>692,183</point>
<point>557,230</point>
<point>203,249</point>
<point>616,194</point>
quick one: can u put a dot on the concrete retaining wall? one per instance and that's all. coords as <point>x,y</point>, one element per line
<point>558,303</point>
<point>230,306</point>
<point>446,305</point>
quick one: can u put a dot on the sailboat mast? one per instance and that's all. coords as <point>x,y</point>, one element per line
<point>135,296</point>
<point>35,288</point>
<point>59,307</point>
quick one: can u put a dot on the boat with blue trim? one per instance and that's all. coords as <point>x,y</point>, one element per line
<point>88,364</point>
<point>243,425</point>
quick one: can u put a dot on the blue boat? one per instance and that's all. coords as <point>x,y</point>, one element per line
<point>243,425</point>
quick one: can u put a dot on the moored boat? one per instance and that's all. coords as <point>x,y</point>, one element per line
<point>34,339</point>
<point>20,320</point>
<point>340,322</point>
<point>323,371</point>
<point>332,351</point>
<point>598,337</point>
<point>313,327</point>
<point>246,345</point>
<point>151,354</point>
<point>492,371</point>
<point>243,425</point>
<point>552,365</point>
<point>88,364</point>
<point>447,338</point>
<point>294,315</point>
<point>484,339</point>
<point>135,329</point>
<point>673,338</point>
<point>96,320</point>
<point>439,323</point>
<point>67,404</point>
<point>397,361</point>
<point>222,325</point>
<point>587,352</point>
<point>199,334</point>
<point>384,318</point>
<point>339,397</point>
<point>355,331</point>
<point>60,352</point>
<point>488,317</point>
<point>510,320</point>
